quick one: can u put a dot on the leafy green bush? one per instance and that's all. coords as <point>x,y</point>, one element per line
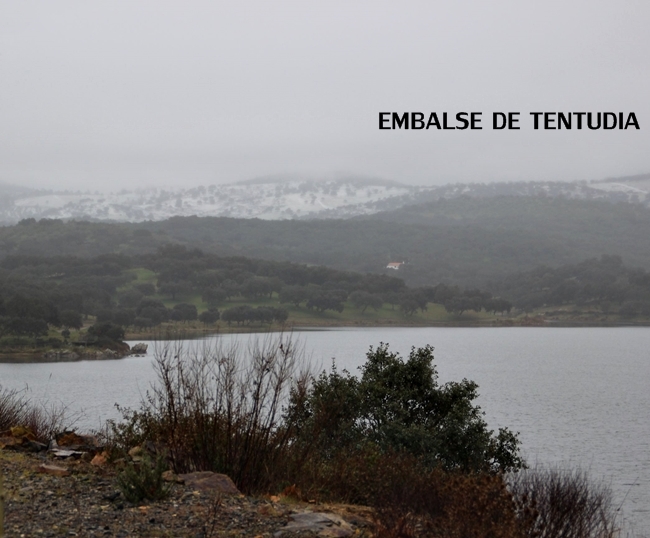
<point>398,406</point>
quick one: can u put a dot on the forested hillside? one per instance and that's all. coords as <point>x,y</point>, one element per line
<point>604,283</point>
<point>464,241</point>
<point>178,284</point>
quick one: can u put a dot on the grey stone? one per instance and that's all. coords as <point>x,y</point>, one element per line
<point>321,523</point>
<point>208,481</point>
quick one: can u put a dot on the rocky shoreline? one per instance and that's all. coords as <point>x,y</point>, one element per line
<point>78,354</point>
<point>71,490</point>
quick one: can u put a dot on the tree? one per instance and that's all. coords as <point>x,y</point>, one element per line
<point>71,319</point>
<point>327,300</point>
<point>174,288</point>
<point>210,316</point>
<point>460,303</point>
<point>131,298</point>
<point>124,316</point>
<point>184,312</point>
<point>398,405</point>
<point>105,332</point>
<point>213,296</point>
<point>153,310</point>
<point>25,326</point>
<point>498,305</point>
<point>294,295</point>
<point>146,288</point>
<point>363,300</point>
<point>408,305</point>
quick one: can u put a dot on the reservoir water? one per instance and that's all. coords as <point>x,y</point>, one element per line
<point>578,396</point>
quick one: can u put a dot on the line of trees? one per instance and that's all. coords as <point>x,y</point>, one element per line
<point>41,292</point>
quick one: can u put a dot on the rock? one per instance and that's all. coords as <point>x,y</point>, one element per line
<point>55,470</point>
<point>320,523</point>
<point>60,356</point>
<point>65,454</point>
<point>171,476</point>
<point>70,438</point>
<point>19,438</point>
<point>10,442</point>
<point>35,446</point>
<point>136,452</point>
<point>112,496</point>
<point>139,349</point>
<point>208,481</point>
<point>21,431</point>
<point>99,460</point>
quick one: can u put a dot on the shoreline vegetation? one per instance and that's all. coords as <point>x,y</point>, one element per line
<point>72,307</point>
<point>169,331</point>
<point>404,455</point>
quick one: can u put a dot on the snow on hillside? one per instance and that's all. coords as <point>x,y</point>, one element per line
<point>289,199</point>
<point>272,200</point>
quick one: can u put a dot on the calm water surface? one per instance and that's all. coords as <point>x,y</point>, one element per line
<point>578,396</point>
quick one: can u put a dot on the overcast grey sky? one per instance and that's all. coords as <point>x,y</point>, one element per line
<point>113,94</point>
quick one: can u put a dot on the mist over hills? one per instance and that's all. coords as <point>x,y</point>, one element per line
<point>464,240</point>
<point>288,198</point>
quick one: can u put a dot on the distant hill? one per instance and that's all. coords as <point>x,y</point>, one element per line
<point>267,198</point>
<point>464,240</point>
<point>289,198</point>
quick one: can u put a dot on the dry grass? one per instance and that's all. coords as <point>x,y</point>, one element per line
<point>43,421</point>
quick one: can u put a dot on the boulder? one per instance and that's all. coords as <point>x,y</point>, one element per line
<point>209,481</point>
<point>136,452</point>
<point>55,470</point>
<point>139,349</point>
<point>319,523</point>
<point>99,460</point>
<point>65,454</point>
<point>171,476</point>
<point>70,438</point>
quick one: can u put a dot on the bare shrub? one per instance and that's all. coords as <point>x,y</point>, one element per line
<point>555,503</point>
<point>415,502</point>
<point>42,420</point>
<point>216,409</point>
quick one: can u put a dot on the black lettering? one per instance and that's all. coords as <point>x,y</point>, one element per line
<point>417,120</point>
<point>563,120</point>
<point>475,118</point>
<point>512,120</point>
<point>631,119</point>
<point>536,116</point>
<point>461,118</point>
<point>580,115</point>
<point>589,122</point>
<point>611,115</point>
<point>498,117</point>
<point>401,122</point>
<point>383,120</point>
<point>433,120</point>
<point>444,121</point>
<point>548,120</point>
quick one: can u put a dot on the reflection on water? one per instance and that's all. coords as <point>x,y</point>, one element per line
<point>578,396</point>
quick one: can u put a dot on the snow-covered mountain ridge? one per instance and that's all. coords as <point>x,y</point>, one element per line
<point>293,199</point>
